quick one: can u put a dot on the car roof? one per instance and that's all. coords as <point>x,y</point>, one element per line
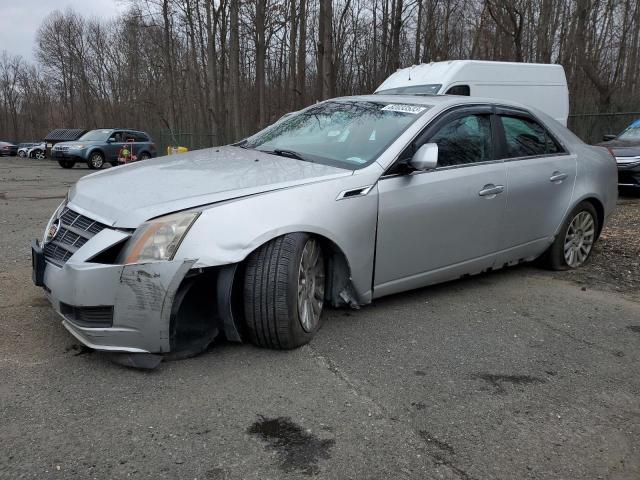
<point>436,100</point>
<point>121,128</point>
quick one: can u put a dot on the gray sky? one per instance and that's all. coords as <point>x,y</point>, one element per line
<point>20,19</point>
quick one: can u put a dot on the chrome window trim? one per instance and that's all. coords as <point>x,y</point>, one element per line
<point>439,169</point>
<point>533,157</point>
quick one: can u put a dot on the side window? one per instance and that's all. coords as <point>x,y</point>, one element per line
<point>526,138</point>
<point>129,137</point>
<point>137,136</point>
<point>464,140</point>
<point>118,137</point>
<point>463,90</point>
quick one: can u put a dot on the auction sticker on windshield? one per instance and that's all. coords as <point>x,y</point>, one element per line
<point>396,107</point>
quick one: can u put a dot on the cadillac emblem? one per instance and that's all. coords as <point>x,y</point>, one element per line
<point>54,228</point>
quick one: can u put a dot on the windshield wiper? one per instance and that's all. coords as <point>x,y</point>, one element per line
<point>287,153</point>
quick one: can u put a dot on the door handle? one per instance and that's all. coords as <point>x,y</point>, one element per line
<point>490,190</point>
<point>557,177</point>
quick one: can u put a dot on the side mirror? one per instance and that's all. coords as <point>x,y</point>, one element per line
<point>426,158</point>
<point>608,138</point>
<point>111,140</point>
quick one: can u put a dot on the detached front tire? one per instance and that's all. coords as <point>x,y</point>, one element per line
<point>284,288</point>
<point>574,243</point>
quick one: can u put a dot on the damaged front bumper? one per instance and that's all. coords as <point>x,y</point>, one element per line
<point>116,308</point>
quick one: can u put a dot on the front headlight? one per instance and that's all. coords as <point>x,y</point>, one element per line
<point>77,146</point>
<point>54,218</point>
<point>158,239</point>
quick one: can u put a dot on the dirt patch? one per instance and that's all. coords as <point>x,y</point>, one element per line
<point>614,264</point>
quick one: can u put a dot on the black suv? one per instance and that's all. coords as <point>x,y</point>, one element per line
<point>626,148</point>
<point>111,145</point>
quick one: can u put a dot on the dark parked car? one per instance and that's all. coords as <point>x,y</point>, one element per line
<point>626,148</point>
<point>8,149</point>
<point>105,145</point>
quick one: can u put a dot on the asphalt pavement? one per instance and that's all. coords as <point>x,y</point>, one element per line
<point>518,374</point>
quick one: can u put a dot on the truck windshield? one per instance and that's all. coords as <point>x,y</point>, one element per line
<point>345,133</point>
<point>412,90</point>
<point>96,135</point>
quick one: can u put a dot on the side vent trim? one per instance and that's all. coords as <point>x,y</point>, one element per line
<point>354,192</point>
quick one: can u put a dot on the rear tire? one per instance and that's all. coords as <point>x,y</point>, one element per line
<point>22,154</point>
<point>39,154</point>
<point>96,161</point>
<point>284,288</point>
<point>65,164</point>
<point>144,156</point>
<point>574,243</point>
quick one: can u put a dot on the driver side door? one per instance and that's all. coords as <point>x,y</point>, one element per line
<point>113,146</point>
<point>441,224</point>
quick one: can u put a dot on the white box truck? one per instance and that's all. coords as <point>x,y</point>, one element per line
<point>543,86</point>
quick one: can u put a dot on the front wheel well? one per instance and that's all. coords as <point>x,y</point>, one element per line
<point>339,291</point>
<point>95,150</point>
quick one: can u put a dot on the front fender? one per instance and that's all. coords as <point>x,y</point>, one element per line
<point>228,232</point>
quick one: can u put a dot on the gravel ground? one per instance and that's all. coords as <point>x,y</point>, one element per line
<point>521,373</point>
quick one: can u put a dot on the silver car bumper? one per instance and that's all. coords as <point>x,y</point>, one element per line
<point>124,308</point>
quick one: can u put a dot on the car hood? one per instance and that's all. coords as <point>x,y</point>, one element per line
<point>69,143</point>
<point>622,148</point>
<point>128,195</point>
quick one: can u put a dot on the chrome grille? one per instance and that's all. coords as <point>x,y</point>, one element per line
<point>75,231</point>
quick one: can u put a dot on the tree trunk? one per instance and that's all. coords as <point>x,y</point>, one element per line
<point>261,7</point>
<point>234,69</point>
<point>326,77</point>
<point>302,55</point>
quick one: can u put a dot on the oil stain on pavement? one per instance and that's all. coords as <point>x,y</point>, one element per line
<point>298,449</point>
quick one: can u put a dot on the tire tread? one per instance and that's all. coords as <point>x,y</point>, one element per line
<point>269,302</point>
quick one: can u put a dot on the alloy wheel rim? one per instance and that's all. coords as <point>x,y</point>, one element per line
<point>311,278</point>
<point>96,161</point>
<point>579,239</point>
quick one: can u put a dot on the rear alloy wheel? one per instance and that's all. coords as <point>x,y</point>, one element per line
<point>39,154</point>
<point>22,154</point>
<point>575,241</point>
<point>96,160</point>
<point>284,289</point>
<point>144,156</point>
<point>65,164</point>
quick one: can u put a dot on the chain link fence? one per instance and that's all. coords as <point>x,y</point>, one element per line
<point>590,127</point>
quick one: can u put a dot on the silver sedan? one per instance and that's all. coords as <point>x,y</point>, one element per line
<point>338,204</point>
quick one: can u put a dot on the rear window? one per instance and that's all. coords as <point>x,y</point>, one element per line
<point>527,138</point>
<point>462,90</point>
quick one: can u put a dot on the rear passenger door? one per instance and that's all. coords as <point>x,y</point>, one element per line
<point>541,174</point>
